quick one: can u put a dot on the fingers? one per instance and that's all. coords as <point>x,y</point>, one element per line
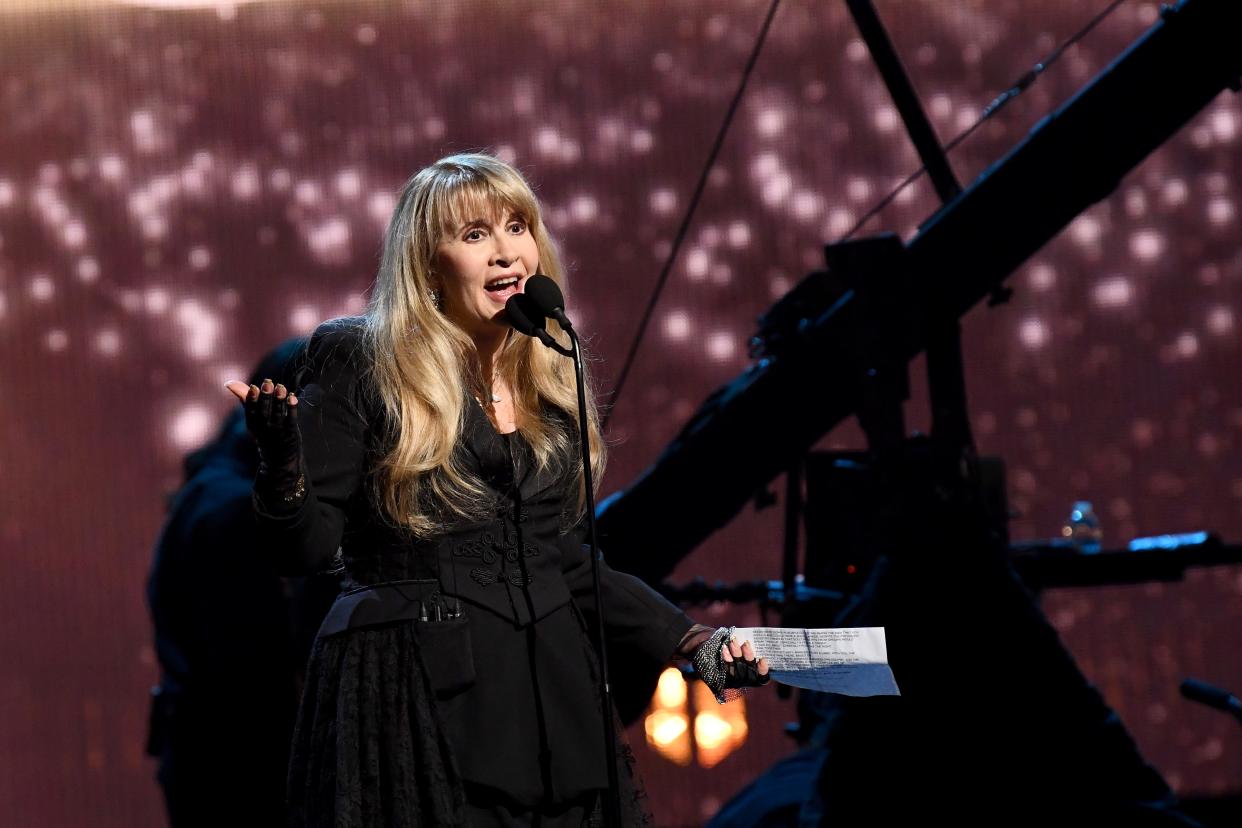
<point>244,393</point>
<point>275,398</point>
<point>285,394</point>
<point>268,405</point>
<point>733,651</point>
<point>265,400</point>
<point>744,668</point>
<point>238,389</point>
<point>289,400</point>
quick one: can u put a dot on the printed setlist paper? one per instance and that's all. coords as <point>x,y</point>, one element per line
<point>852,661</point>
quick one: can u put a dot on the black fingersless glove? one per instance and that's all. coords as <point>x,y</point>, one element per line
<point>726,679</point>
<point>280,486</point>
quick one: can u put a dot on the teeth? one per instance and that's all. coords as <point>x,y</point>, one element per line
<point>503,283</point>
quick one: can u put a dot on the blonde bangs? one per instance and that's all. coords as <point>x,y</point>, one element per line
<point>464,195</point>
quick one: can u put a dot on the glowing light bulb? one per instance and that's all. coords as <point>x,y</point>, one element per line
<point>711,731</point>
<point>671,689</point>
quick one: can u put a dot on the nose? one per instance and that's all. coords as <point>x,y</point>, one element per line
<point>502,251</point>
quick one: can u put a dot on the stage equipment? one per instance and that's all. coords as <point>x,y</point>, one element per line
<point>751,429</point>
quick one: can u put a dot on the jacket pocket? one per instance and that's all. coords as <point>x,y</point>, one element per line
<point>447,654</point>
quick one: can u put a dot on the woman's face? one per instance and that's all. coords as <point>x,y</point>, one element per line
<point>479,266</point>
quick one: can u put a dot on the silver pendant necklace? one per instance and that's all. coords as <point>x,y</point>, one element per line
<point>491,393</point>
<point>491,390</point>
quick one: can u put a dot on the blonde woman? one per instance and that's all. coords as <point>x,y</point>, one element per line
<point>431,453</point>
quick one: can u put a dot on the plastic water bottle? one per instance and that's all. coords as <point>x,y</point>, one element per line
<point>1083,528</point>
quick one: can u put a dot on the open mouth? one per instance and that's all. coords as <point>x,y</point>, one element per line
<point>503,283</point>
<point>504,287</point>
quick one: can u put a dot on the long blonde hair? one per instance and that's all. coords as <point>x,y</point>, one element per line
<point>425,368</point>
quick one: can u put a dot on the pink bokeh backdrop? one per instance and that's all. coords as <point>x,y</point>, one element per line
<point>181,188</point>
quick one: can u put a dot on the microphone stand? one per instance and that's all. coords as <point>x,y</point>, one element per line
<point>612,808</point>
<point>612,805</point>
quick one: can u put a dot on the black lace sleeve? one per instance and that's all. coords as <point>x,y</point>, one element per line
<point>279,491</point>
<point>301,513</point>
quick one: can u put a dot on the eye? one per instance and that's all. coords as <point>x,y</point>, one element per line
<point>474,234</point>
<point>517,227</point>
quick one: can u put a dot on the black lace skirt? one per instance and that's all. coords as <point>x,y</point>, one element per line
<point>372,747</point>
<point>368,750</point>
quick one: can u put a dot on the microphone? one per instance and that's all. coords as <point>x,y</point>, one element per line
<point>547,297</point>
<point>527,318</point>
<point>523,315</point>
<point>1213,697</point>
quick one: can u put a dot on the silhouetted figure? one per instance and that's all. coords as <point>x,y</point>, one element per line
<point>232,640</point>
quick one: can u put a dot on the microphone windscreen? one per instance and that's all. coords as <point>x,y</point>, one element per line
<point>545,293</point>
<point>523,315</point>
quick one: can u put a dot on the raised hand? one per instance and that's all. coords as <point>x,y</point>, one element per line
<point>271,417</point>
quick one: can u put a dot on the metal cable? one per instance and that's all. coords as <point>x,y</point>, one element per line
<point>686,219</point>
<point>998,103</point>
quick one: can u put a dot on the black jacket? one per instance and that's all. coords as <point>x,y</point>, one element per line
<point>514,678</point>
